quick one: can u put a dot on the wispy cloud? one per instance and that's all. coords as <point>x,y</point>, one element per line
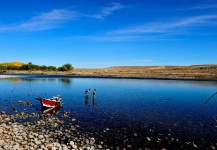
<point>109,38</point>
<point>43,21</point>
<point>48,20</point>
<point>119,38</point>
<point>169,26</point>
<point>107,11</point>
<point>154,31</point>
<point>204,7</point>
<point>199,7</point>
<point>55,18</point>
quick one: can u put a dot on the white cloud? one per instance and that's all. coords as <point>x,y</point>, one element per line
<point>155,31</point>
<point>167,27</point>
<point>43,21</point>
<point>119,38</point>
<point>55,18</point>
<point>48,20</point>
<point>107,11</point>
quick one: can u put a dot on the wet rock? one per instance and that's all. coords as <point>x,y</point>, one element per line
<point>40,137</point>
<point>100,146</point>
<point>22,113</point>
<point>3,113</point>
<point>7,119</point>
<point>92,140</point>
<point>74,147</point>
<point>31,136</point>
<point>44,133</point>
<point>72,143</point>
<point>148,138</point>
<point>87,141</point>
<point>65,148</point>
<point>194,145</point>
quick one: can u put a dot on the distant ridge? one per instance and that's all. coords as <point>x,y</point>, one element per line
<point>193,72</point>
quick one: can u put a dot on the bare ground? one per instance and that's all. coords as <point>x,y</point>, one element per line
<point>197,72</point>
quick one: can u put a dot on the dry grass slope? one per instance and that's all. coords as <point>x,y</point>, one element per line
<point>206,72</point>
<point>198,72</point>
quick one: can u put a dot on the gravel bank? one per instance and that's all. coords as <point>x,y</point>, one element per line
<point>47,132</point>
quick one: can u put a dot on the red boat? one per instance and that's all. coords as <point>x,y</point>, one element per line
<point>55,101</point>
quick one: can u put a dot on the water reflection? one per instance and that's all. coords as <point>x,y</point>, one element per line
<point>52,110</point>
<point>39,79</point>
<point>152,114</point>
<point>94,101</point>
<point>63,80</point>
<point>208,100</point>
<point>87,103</point>
<point>66,80</point>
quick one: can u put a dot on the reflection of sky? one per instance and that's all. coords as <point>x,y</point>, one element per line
<point>121,92</point>
<point>120,102</point>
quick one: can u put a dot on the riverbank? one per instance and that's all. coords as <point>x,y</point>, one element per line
<point>44,132</point>
<point>6,76</point>
<point>196,72</point>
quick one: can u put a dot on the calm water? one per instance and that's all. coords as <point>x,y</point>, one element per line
<point>128,113</point>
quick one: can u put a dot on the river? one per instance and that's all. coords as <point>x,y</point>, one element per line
<point>127,113</point>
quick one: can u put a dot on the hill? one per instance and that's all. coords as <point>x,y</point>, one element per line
<point>197,72</point>
<point>204,72</point>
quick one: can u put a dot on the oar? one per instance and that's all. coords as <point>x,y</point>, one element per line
<point>208,99</point>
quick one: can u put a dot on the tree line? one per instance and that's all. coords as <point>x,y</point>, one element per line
<point>31,66</point>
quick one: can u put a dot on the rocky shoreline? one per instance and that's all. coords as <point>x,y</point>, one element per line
<point>46,132</point>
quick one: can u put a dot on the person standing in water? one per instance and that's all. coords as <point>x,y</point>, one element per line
<point>87,92</point>
<point>87,97</point>
<point>94,93</point>
<point>94,97</point>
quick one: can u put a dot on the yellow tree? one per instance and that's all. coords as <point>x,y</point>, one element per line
<point>16,64</point>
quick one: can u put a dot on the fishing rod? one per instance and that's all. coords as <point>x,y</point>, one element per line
<point>208,99</point>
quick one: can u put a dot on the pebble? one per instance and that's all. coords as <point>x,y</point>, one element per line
<point>73,119</point>
<point>148,138</point>
<point>100,146</point>
<point>44,134</point>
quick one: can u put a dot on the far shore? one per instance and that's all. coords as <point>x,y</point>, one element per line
<point>6,76</point>
<point>196,72</point>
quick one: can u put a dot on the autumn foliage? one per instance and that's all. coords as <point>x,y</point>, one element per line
<point>16,64</point>
<point>30,66</point>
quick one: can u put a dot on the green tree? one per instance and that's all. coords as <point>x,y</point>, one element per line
<point>51,68</point>
<point>43,68</point>
<point>66,67</point>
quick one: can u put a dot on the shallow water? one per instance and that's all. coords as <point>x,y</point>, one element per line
<point>127,113</point>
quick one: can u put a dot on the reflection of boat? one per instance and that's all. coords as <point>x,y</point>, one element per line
<point>50,110</point>
<point>55,101</point>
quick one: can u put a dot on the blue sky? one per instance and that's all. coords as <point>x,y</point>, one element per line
<point>103,33</point>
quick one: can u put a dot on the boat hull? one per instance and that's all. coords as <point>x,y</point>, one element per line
<point>50,103</point>
<point>55,101</point>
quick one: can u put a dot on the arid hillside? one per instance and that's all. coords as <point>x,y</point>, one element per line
<point>176,72</point>
<point>200,72</point>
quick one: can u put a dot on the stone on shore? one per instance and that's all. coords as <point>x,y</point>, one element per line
<point>43,133</point>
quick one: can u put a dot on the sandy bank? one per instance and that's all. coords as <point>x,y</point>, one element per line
<point>7,76</point>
